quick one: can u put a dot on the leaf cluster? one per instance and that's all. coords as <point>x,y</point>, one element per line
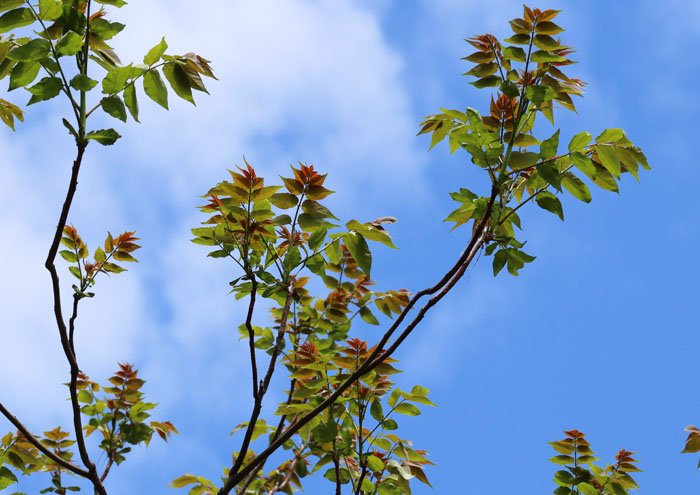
<point>581,476</point>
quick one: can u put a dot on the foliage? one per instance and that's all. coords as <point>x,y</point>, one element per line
<point>62,39</point>
<point>341,409</point>
<point>582,476</point>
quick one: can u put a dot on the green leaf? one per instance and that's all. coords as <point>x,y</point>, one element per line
<point>155,53</point>
<point>483,70</point>
<point>519,39</point>
<point>367,316</point>
<point>583,163</point>
<point>359,250</point>
<point>576,187</point>
<point>492,81</point>
<point>113,268</point>
<point>408,409</point>
<point>116,79</point>
<point>587,489</point>
<point>100,255</point>
<point>376,410</point>
<point>550,172</point>
<point>317,238</point>
<point>84,396</point>
<point>580,141</point>
<point>8,478</point>
<point>522,160</point>
<point>609,159</point>
<point>616,136</point>
<point>499,261</point>
<point>45,89</point>
<point>50,10</point>
<point>69,256</point>
<point>10,4</point>
<point>325,432</point>
<point>283,200</point>
<point>116,3</point>
<point>317,265</point>
<point>509,89</point>
<point>16,18</point>
<point>546,42</point>
<point>23,73</point>
<point>131,102</point>
<point>69,44</point>
<point>539,93</point>
<point>545,56</point>
<point>123,256</point>
<point>309,223</point>
<point>104,29</point>
<point>550,202</point>
<point>104,136</point>
<point>155,88</point>
<point>114,106</point>
<point>514,53</point>
<point>603,179</point>
<point>34,50</point>
<point>292,259</point>
<point>316,209</point>
<point>547,28</point>
<point>81,82</point>
<point>562,460</point>
<point>178,80</point>
<point>375,464</point>
<point>549,147</point>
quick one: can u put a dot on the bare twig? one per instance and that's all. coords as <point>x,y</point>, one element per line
<point>34,441</point>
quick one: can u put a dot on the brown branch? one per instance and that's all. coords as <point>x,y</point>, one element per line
<point>449,280</point>
<point>66,339</point>
<point>362,477</point>
<point>336,463</point>
<point>278,431</point>
<point>34,441</point>
<point>251,335</point>
<point>257,406</point>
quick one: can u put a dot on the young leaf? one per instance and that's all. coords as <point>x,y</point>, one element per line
<point>155,53</point>
<point>16,18</point>
<point>177,78</point>
<point>576,187</point>
<point>45,89</point>
<point>23,73</point>
<point>114,106</point>
<point>155,88</point>
<point>550,202</point>
<point>34,50</point>
<point>359,250</point>
<point>104,136</point>
<point>69,44</point>
<point>81,82</point>
<point>131,102</point>
<point>580,141</point>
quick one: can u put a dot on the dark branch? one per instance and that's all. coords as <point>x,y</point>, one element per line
<point>251,335</point>
<point>34,441</point>
<point>257,406</point>
<point>448,281</point>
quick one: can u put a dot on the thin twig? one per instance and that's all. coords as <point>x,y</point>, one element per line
<point>34,441</point>
<point>257,406</point>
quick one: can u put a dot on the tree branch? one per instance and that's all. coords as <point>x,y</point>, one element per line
<point>34,441</point>
<point>228,486</point>
<point>448,281</point>
<point>251,336</point>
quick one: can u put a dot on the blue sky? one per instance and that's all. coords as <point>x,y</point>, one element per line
<point>598,334</point>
